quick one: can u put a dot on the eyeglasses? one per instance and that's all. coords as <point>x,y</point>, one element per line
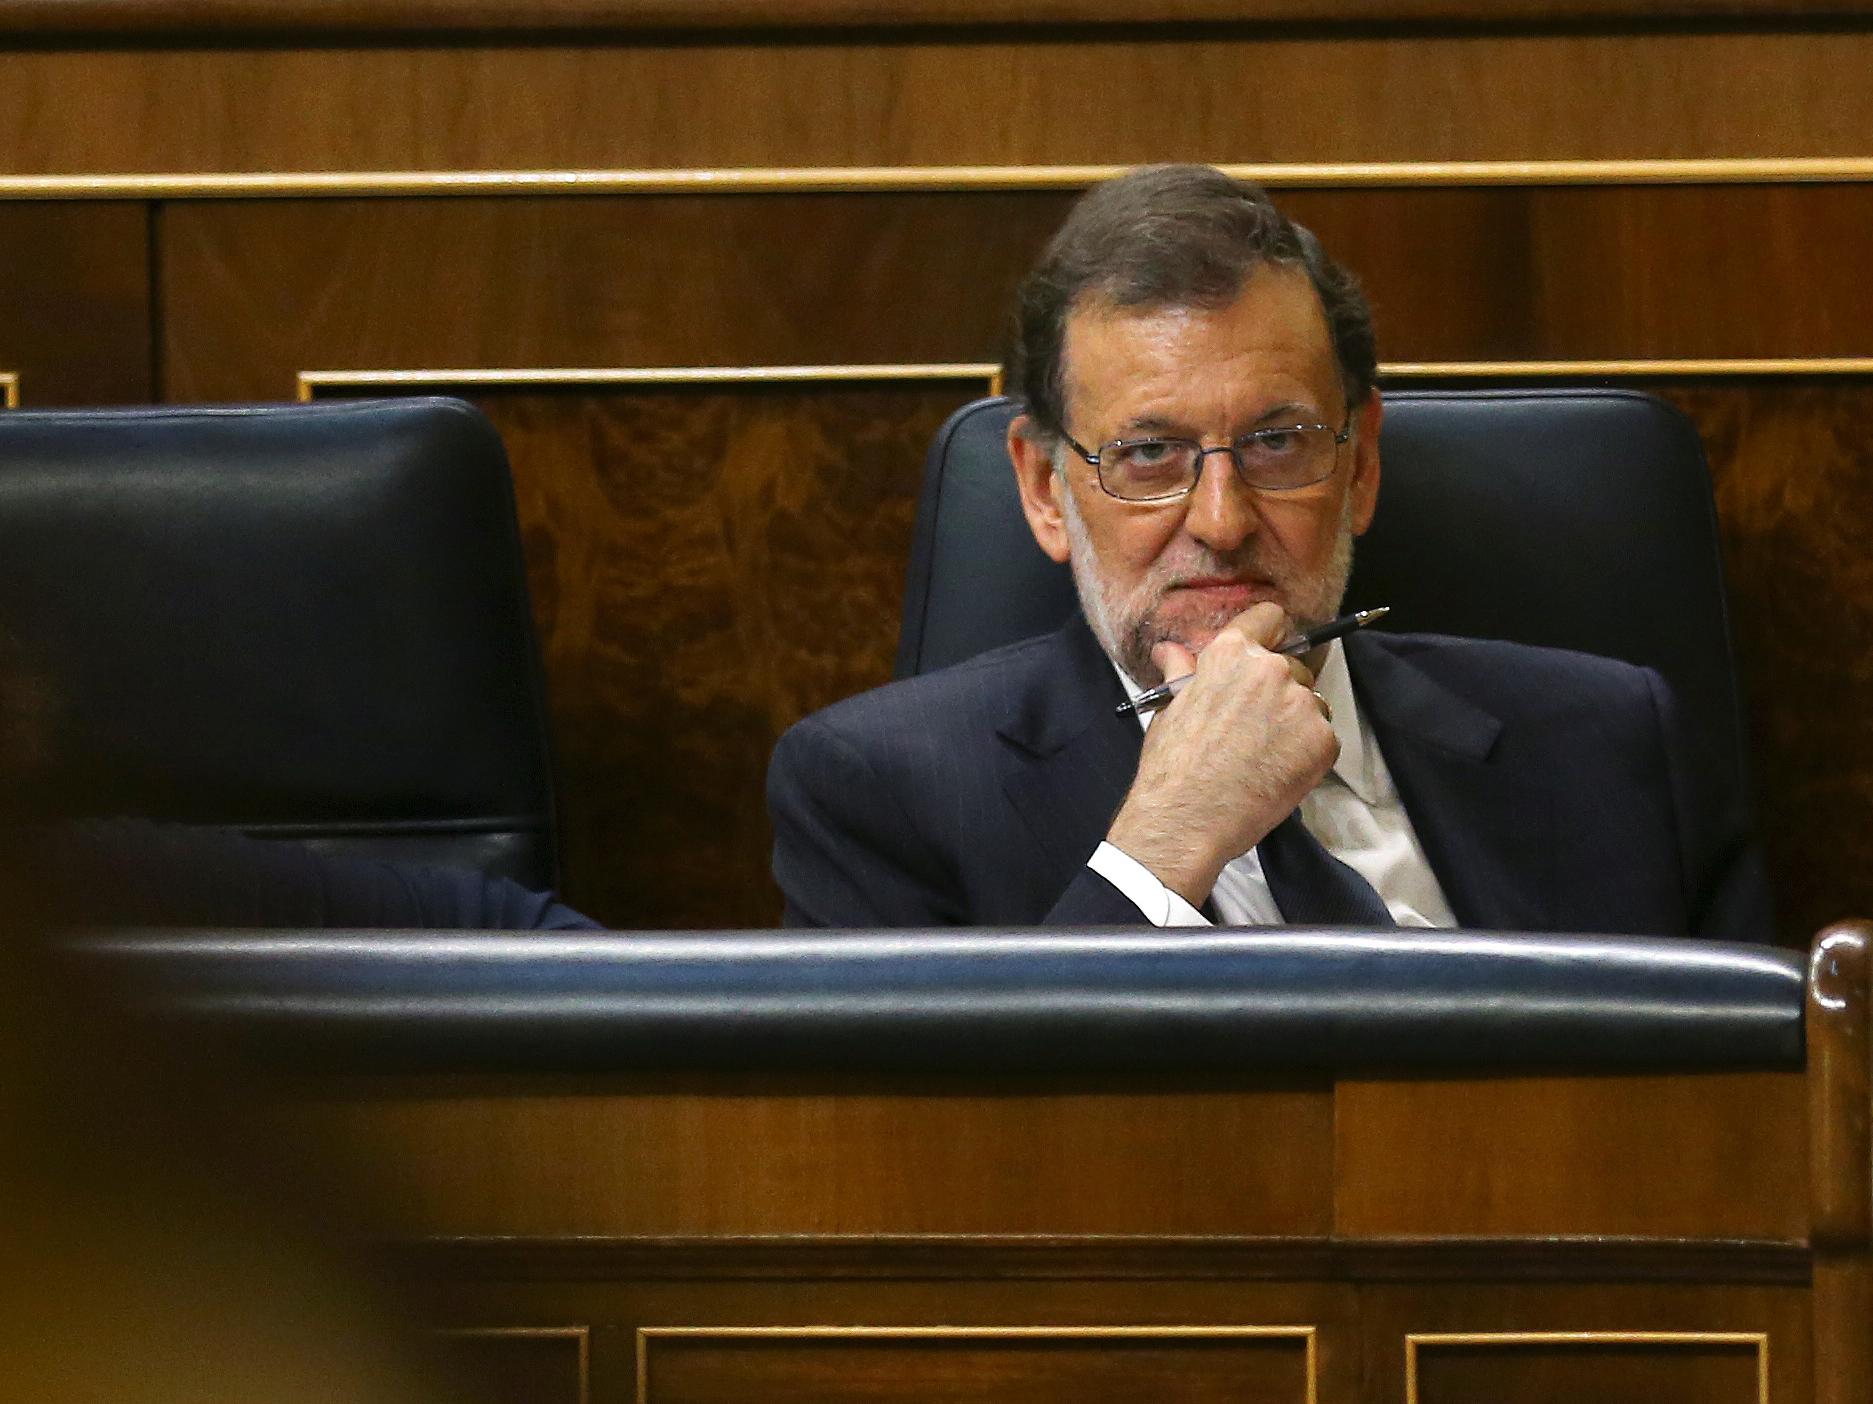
<point>1277,459</point>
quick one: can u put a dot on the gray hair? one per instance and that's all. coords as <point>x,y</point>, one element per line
<point>1173,236</point>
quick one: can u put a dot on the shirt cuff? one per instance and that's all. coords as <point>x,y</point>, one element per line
<point>1161,906</point>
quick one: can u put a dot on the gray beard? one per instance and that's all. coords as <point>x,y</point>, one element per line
<point>1125,621</point>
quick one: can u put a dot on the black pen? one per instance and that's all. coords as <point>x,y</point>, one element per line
<point>1160,697</point>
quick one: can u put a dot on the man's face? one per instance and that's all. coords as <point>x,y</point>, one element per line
<point>1181,570</point>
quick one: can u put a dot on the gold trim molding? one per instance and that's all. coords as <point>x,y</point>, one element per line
<point>1307,1335</point>
<point>311,382</point>
<point>580,1334</point>
<point>1758,1339</point>
<point>832,179</point>
<point>9,389</point>
<point>1586,370</point>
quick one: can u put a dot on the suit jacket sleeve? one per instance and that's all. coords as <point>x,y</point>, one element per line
<point>847,853</point>
<point>135,873</point>
<point>1726,888</point>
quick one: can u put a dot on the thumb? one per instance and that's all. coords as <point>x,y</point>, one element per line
<point>1173,659</point>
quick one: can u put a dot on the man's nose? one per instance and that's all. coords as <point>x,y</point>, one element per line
<point>1221,511</point>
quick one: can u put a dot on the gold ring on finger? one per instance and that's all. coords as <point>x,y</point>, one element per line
<point>1326,708</point>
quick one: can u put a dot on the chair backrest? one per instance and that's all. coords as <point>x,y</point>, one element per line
<point>1579,519</point>
<point>305,621</point>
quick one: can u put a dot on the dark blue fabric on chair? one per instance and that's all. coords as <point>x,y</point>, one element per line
<point>305,621</point>
<point>1578,519</point>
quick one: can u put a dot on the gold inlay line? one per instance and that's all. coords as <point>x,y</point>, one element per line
<point>1758,1339</point>
<point>1809,365</point>
<point>808,179</point>
<point>311,382</point>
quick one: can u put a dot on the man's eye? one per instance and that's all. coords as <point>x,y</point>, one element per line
<point>1275,441</point>
<point>1148,453</point>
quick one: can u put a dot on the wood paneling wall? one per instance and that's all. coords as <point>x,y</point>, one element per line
<point>665,824</point>
<point>918,98</point>
<point>75,293</point>
<point>230,298</point>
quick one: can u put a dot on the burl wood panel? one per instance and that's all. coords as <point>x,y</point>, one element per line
<point>706,568</point>
<point>1559,1373</point>
<point>75,301</point>
<point>1792,465</point>
<point>972,1369</point>
<point>1719,1156</point>
<point>1026,96</point>
<point>707,1158</point>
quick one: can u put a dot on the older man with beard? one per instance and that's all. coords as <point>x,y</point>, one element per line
<point>1201,443</point>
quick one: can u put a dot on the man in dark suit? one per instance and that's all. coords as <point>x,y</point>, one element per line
<point>1201,445</point>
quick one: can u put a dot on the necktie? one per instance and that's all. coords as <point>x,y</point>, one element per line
<point>1311,886</point>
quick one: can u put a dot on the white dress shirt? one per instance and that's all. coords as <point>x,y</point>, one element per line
<point>1355,812</point>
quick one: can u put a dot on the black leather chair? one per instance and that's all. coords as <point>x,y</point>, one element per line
<point>1578,519</point>
<point>296,621</point>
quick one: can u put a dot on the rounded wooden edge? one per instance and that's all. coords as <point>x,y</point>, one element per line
<point>948,1257</point>
<point>832,179</point>
<point>144,18</point>
<point>1840,1087</point>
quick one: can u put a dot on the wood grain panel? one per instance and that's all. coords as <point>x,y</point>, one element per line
<point>1541,1372</point>
<point>1793,468</point>
<point>521,1365</point>
<point>1607,1371</point>
<point>257,292</point>
<point>1605,273</point>
<point>1720,1156</point>
<point>1013,97</point>
<point>75,301</point>
<point>722,1159</point>
<point>973,1367</point>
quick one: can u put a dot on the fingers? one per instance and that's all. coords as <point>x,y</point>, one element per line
<point>1300,672</point>
<point>1173,659</point>
<point>1265,623</point>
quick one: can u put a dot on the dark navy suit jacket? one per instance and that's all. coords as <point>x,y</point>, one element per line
<point>130,872</point>
<point>1548,789</point>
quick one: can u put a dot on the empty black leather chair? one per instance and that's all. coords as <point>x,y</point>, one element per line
<point>296,621</point>
<point>1578,519</point>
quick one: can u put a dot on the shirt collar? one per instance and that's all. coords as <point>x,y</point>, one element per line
<point>1357,766</point>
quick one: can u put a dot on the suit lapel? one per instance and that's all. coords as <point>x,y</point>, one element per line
<point>1486,830</point>
<point>1067,759</point>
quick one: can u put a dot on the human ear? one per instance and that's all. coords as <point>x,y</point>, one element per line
<point>1364,486</point>
<point>1040,488</point>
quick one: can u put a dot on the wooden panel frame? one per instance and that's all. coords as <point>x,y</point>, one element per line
<point>190,17</point>
<point>1848,170</point>
<point>1308,1335</point>
<point>581,1334</point>
<point>1661,369</point>
<point>1417,1340</point>
<point>311,382</point>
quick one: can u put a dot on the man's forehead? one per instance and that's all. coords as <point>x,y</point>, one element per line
<point>1275,319</point>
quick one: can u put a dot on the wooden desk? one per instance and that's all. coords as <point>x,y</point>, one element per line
<point>1659,1237</point>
